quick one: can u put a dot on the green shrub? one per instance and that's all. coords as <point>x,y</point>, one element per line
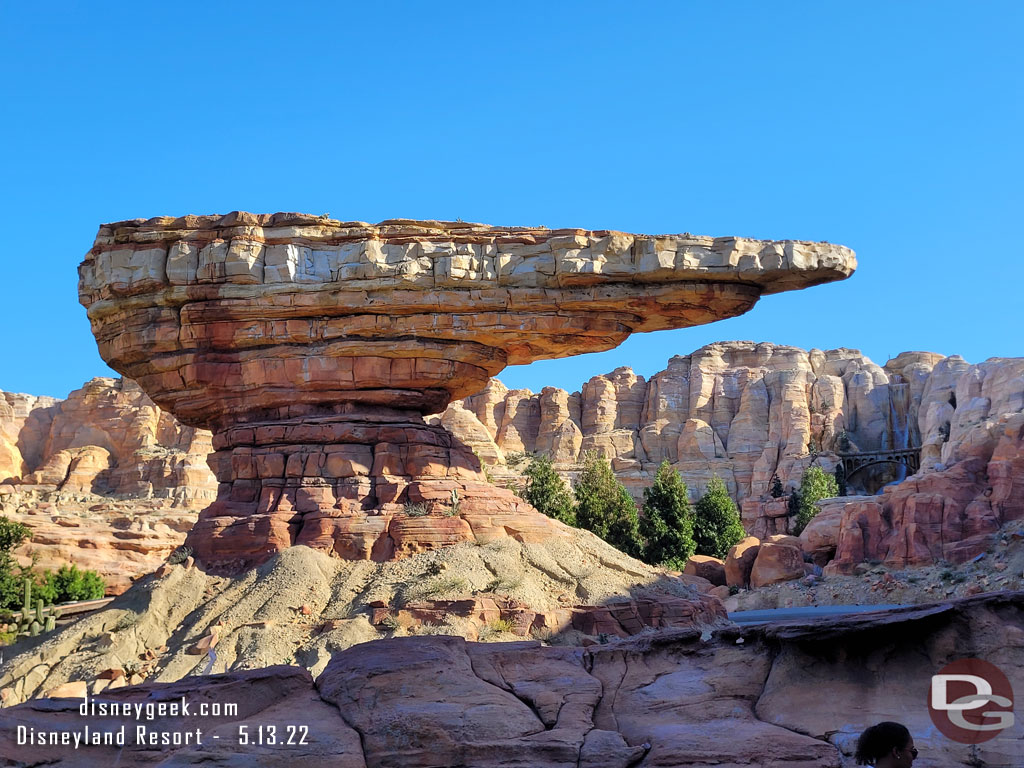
<point>547,491</point>
<point>73,584</point>
<point>816,484</point>
<point>12,534</point>
<point>605,507</point>
<point>716,525</point>
<point>667,522</point>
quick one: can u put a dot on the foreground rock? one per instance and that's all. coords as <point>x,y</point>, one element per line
<point>787,694</point>
<point>312,349</point>
<point>304,605</point>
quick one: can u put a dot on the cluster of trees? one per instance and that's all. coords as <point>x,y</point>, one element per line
<point>66,584</point>
<point>669,531</point>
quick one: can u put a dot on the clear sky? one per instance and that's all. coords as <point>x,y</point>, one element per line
<point>892,127</point>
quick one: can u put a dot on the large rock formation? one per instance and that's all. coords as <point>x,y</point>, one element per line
<point>104,479</point>
<point>742,410</point>
<point>970,488</point>
<point>748,412</point>
<point>106,439</point>
<point>785,694</point>
<point>312,348</point>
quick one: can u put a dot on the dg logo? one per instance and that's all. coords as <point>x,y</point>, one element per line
<point>971,701</point>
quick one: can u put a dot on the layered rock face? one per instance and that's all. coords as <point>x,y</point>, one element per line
<point>747,411</point>
<point>312,348</point>
<point>105,479</point>
<point>973,428</point>
<point>741,410</point>
<point>784,694</point>
<point>106,439</point>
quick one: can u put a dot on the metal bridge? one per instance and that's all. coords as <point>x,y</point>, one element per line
<point>855,462</point>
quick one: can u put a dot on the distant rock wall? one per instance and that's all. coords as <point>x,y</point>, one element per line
<point>746,412</point>
<point>741,410</point>
<point>106,439</point>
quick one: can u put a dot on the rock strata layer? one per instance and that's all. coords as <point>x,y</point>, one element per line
<point>312,348</point>
<point>784,694</point>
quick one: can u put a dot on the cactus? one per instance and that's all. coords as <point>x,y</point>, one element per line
<point>39,610</point>
<point>26,606</point>
<point>51,623</point>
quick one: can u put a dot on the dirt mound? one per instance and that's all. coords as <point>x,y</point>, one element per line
<point>302,606</point>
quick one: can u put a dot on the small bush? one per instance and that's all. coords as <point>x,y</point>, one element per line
<point>415,510</point>
<point>72,584</point>
<point>410,593</point>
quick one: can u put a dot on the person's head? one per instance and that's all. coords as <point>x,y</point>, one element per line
<point>886,745</point>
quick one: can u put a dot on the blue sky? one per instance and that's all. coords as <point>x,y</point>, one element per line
<point>891,127</point>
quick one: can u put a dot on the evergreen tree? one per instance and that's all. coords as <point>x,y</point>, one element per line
<point>11,535</point>
<point>716,526</point>
<point>777,490</point>
<point>667,522</point>
<point>604,506</point>
<point>816,484</point>
<point>547,491</point>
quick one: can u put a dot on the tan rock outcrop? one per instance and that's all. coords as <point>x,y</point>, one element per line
<point>744,411</point>
<point>296,337</point>
<point>710,568</point>
<point>779,558</point>
<point>739,562</point>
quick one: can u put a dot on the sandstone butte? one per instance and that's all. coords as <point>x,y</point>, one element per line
<point>312,349</point>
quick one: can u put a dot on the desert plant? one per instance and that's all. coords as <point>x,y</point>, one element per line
<point>73,584</point>
<point>415,510</point>
<point>667,522</point>
<point>547,492</point>
<point>605,507</point>
<point>716,524</point>
<point>816,484</point>
<point>514,458</point>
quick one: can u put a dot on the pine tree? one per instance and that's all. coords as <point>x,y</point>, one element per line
<point>716,526</point>
<point>777,490</point>
<point>667,522</point>
<point>816,484</point>
<point>547,491</point>
<point>604,506</point>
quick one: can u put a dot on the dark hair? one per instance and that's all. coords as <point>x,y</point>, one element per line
<point>879,740</point>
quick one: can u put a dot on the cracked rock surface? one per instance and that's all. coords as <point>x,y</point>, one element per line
<point>793,695</point>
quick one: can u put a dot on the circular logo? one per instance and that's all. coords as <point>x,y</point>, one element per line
<point>971,701</point>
